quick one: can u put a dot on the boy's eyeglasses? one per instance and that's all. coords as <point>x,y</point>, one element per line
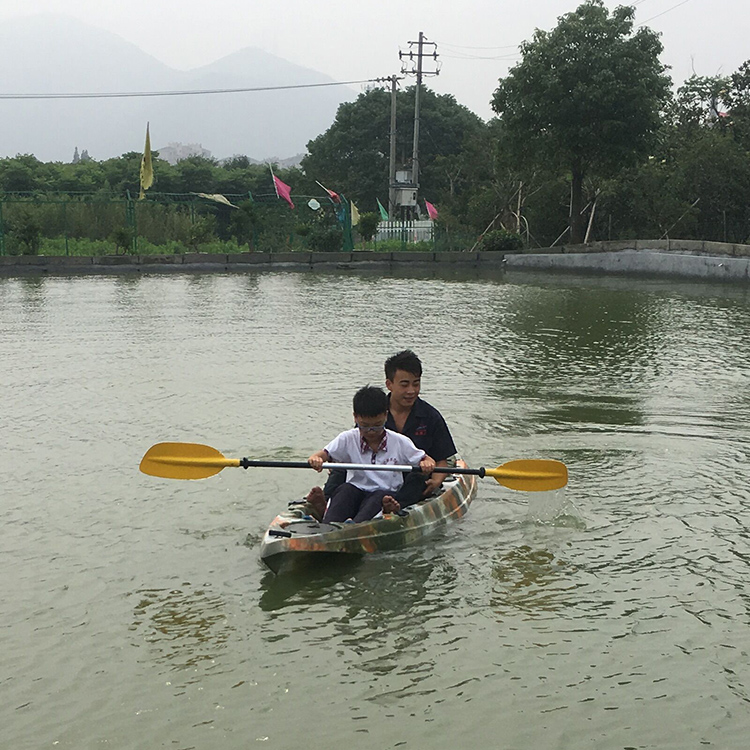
<point>370,428</point>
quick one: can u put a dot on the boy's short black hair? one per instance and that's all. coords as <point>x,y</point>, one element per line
<point>370,401</point>
<point>406,361</point>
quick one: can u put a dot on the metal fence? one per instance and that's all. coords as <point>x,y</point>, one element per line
<point>104,223</point>
<point>406,231</point>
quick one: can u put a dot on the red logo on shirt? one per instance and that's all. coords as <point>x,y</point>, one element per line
<point>421,430</point>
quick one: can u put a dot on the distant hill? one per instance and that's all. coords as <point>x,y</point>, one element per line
<point>56,54</point>
<point>175,152</point>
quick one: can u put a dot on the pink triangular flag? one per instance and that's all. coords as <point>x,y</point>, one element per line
<point>335,197</point>
<point>283,190</point>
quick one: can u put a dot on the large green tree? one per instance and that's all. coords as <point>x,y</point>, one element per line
<point>738,100</point>
<point>352,155</point>
<point>586,97</point>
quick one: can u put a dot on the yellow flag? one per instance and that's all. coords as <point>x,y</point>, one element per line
<point>355,215</point>
<point>216,197</point>
<point>147,168</point>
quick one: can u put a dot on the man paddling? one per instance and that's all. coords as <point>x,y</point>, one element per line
<point>418,420</point>
<point>413,417</point>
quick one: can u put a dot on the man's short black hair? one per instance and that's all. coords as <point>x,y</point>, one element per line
<point>370,401</point>
<point>406,361</point>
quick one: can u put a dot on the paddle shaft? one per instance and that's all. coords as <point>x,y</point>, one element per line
<point>247,463</point>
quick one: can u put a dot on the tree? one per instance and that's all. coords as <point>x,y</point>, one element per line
<point>714,168</point>
<point>701,100</point>
<point>586,97</point>
<point>23,173</point>
<point>245,223</point>
<point>352,156</point>
<point>196,174</point>
<point>496,192</point>
<point>738,99</point>
<point>122,173</point>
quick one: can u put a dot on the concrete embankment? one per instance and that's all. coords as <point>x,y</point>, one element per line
<point>716,261</point>
<point>241,262</point>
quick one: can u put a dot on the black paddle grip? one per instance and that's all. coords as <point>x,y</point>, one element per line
<point>246,463</point>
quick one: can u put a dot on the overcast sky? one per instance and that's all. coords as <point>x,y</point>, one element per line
<point>477,39</point>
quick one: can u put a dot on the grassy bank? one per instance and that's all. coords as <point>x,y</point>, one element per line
<point>94,248</point>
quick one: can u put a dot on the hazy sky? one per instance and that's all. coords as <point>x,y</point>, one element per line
<point>477,39</point>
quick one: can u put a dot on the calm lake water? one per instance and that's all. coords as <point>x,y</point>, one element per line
<point>134,612</point>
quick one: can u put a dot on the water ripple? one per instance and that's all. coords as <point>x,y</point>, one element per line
<point>135,611</point>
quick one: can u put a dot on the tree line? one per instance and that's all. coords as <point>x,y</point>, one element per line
<point>590,142</point>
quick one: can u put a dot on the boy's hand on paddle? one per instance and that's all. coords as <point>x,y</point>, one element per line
<point>427,465</point>
<point>316,461</point>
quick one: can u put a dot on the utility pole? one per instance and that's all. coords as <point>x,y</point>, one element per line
<point>416,68</point>
<point>392,157</point>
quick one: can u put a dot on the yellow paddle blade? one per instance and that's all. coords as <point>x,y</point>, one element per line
<point>184,461</point>
<point>531,475</point>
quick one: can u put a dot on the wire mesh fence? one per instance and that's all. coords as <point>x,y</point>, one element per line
<point>87,224</point>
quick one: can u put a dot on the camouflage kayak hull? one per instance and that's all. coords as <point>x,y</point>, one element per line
<point>296,540</point>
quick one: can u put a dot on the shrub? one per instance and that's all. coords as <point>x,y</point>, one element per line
<point>368,225</point>
<point>502,241</point>
<point>28,232</point>
<point>202,232</point>
<point>123,240</point>
<point>325,239</point>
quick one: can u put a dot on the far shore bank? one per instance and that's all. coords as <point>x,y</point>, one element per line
<point>680,258</point>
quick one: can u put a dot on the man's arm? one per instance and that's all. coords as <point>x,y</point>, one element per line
<point>435,480</point>
<point>443,447</point>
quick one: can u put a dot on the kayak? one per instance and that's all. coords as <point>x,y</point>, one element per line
<point>296,539</point>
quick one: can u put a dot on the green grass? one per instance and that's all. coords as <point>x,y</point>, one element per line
<point>81,246</point>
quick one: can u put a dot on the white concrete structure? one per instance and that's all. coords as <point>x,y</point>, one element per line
<point>717,261</point>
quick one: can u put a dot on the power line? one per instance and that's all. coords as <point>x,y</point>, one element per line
<point>483,57</point>
<point>463,46</point>
<point>459,54</point>
<point>663,12</point>
<point>193,92</point>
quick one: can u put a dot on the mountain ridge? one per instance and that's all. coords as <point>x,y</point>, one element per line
<point>52,54</point>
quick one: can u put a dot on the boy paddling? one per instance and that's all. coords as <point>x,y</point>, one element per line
<point>409,415</point>
<point>365,493</point>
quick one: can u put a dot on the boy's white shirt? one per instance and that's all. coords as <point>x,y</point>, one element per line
<point>346,449</point>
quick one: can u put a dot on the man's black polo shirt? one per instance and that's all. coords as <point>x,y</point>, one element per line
<point>427,429</point>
